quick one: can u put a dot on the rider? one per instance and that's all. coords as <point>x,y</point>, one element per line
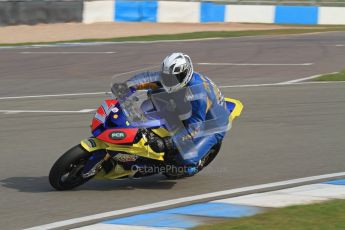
<point>177,73</point>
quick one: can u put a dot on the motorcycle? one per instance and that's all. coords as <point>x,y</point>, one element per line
<point>120,146</point>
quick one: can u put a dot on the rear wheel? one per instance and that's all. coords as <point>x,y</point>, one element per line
<point>211,155</point>
<point>66,172</point>
<point>174,175</point>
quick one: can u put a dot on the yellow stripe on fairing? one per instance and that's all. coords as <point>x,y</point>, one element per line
<point>237,110</point>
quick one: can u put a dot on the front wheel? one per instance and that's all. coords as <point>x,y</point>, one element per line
<point>66,172</point>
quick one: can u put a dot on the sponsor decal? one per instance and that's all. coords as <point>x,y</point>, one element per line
<point>126,157</point>
<point>115,116</point>
<point>115,110</point>
<point>117,135</point>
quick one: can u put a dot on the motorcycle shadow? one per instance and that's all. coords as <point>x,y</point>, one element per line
<point>27,184</point>
<point>151,183</point>
<point>41,184</point>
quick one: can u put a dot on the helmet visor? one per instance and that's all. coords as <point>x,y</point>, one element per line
<point>169,80</point>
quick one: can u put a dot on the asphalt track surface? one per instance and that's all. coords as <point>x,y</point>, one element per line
<point>285,132</point>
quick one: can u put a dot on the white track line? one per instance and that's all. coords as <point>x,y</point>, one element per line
<point>46,111</point>
<point>224,86</point>
<point>76,44</point>
<point>291,82</point>
<point>52,95</point>
<point>182,200</point>
<point>305,78</point>
<point>92,110</point>
<point>78,94</point>
<point>282,84</point>
<point>65,52</point>
<point>256,64</point>
<point>249,85</point>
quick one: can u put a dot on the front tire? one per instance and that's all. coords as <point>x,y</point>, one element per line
<point>66,172</point>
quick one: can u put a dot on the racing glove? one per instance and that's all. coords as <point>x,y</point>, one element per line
<point>121,90</point>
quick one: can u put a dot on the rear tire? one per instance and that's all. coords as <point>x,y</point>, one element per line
<point>211,155</point>
<point>66,172</point>
<point>174,176</point>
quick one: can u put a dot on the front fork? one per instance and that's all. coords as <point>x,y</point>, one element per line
<point>95,163</point>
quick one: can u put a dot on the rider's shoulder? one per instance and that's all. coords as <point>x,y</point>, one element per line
<point>197,77</point>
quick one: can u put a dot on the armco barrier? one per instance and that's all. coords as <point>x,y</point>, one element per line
<point>14,12</point>
<point>211,12</point>
<point>296,15</point>
<point>98,11</point>
<point>171,11</point>
<point>250,13</point>
<point>331,15</point>
<point>134,11</point>
<point>178,11</point>
<point>40,11</point>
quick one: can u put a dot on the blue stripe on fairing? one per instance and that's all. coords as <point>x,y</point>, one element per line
<point>156,219</point>
<point>215,209</point>
<point>335,182</point>
<point>230,105</point>
<point>135,11</point>
<point>296,14</point>
<point>211,12</point>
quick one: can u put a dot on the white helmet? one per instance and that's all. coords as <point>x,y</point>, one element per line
<point>177,71</point>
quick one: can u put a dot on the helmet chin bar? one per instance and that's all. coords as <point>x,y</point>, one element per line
<point>174,88</point>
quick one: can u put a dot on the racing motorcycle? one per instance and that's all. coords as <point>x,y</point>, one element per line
<point>120,147</point>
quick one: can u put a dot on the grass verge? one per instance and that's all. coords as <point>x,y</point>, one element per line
<point>332,77</point>
<point>328,215</point>
<point>197,35</point>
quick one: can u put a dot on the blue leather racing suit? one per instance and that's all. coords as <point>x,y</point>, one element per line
<point>208,122</point>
